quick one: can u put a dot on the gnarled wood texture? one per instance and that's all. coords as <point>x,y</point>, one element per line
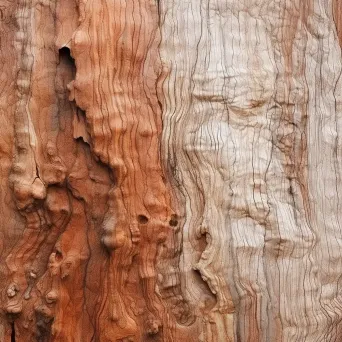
<point>170,170</point>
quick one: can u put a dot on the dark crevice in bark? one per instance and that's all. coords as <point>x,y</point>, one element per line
<point>84,134</point>
<point>13,332</point>
<point>81,129</point>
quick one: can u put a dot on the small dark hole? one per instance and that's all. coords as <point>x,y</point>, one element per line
<point>64,53</point>
<point>58,255</point>
<point>142,219</point>
<point>173,222</point>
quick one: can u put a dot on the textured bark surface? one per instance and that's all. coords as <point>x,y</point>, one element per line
<point>170,170</point>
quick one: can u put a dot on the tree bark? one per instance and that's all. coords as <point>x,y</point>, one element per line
<point>170,170</point>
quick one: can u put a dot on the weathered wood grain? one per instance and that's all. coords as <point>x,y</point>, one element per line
<point>170,170</point>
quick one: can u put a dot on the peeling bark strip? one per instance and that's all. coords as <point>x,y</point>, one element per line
<point>118,69</point>
<point>170,170</point>
<point>337,11</point>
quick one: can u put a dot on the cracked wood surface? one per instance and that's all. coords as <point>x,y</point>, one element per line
<point>170,170</point>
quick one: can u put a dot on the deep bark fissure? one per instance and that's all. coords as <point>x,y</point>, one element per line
<point>12,332</point>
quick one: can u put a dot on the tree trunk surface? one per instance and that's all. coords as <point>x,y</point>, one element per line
<point>170,170</point>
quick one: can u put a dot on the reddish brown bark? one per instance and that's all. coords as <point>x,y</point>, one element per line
<point>170,170</point>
